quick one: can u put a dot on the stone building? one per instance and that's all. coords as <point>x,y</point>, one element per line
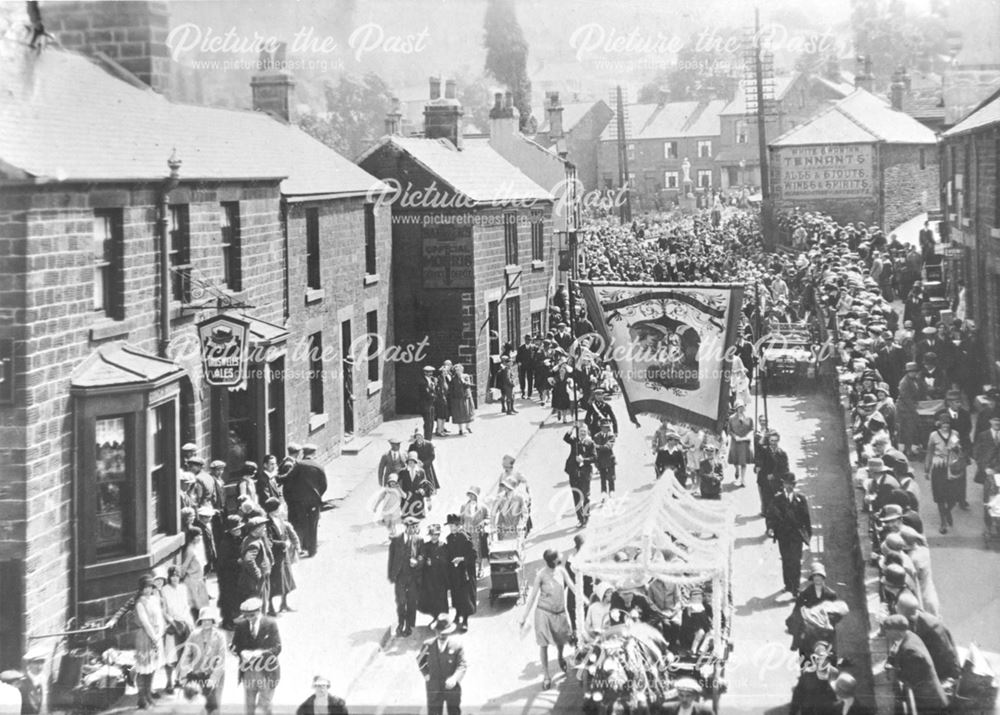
<point>858,160</point>
<point>970,202</point>
<point>127,223</point>
<point>472,246</point>
<point>660,137</point>
<point>574,129</point>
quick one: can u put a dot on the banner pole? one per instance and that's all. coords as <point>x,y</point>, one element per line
<point>572,322</point>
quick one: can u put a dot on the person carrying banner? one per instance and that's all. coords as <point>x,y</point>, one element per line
<point>580,468</point>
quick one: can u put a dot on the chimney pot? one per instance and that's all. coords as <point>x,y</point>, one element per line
<point>449,89</point>
<point>508,100</point>
<point>435,87</point>
<point>272,88</point>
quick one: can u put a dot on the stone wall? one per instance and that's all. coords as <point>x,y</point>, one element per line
<point>909,177</point>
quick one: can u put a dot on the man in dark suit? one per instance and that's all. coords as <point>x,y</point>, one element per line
<point>986,448</point>
<point>991,398</point>
<point>845,688</point>
<point>505,383</point>
<point>961,423</point>
<point>304,487</point>
<point>425,399</point>
<point>257,644</point>
<point>688,697</point>
<point>771,463</point>
<point>890,361</point>
<point>789,524</point>
<point>321,702</point>
<point>599,410</point>
<point>913,666</point>
<point>404,574</point>
<point>391,462</point>
<point>934,634</point>
<point>442,663</point>
<point>33,683</point>
<point>604,446</point>
<point>525,373</point>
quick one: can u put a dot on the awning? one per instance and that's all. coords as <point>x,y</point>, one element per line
<point>119,364</point>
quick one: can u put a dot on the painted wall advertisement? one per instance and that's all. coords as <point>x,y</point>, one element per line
<point>836,171</point>
<point>447,259</point>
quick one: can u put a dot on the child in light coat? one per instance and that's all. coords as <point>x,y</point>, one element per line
<point>389,505</point>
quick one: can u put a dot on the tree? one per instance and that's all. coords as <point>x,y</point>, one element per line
<point>507,55</point>
<point>355,116</point>
<point>891,37</point>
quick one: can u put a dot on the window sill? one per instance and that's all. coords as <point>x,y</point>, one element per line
<point>315,295</point>
<point>317,422</point>
<point>160,548</point>
<point>538,265</point>
<point>374,388</point>
<point>512,269</point>
<point>108,328</point>
<point>371,279</point>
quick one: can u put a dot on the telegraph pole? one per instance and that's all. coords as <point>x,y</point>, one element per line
<point>766,228</point>
<point>625,210</point>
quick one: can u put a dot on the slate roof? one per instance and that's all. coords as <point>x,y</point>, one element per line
<point>671,120</point>
<point>739,104</point>
<point>64,118</point>
<point>476,171</point>
<point>859,118</point>
<point>986,114</point>
<point>119,363</point>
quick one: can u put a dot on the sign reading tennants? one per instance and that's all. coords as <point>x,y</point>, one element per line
<point>841,171</point>
<point>224,350</point>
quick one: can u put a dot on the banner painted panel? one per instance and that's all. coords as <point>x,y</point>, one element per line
<point>669,343</point>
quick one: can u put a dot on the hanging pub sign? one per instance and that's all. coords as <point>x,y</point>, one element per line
<point>224,350</point>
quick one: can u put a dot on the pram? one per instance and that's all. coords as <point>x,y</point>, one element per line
<point>506,569</point>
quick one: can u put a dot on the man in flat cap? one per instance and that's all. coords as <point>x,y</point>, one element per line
<point>426,388</point>
<point>789,524</point>
<point>913,666</point>
<point>256,561</point>
<point>391,462</point>
<point>405,568</point>
<point>257,644</point>
<point>688,699</point>
<point>228,567</point>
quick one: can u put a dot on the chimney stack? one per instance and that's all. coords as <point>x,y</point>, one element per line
<point>133,34</point>
<point>897,90</point>
<point>272,87</point>
<point>503,117</point>
<point>863,78</point>
<point>393,119</point>
<point>443,115</point>
<point>554,109</point>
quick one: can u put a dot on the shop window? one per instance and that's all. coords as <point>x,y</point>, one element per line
<point>537,321</point>
<point>232,246</point>
<point>113,450</point>
<point>109,246</point>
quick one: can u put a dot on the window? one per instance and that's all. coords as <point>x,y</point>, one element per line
<point>276,405</point>
<point>115,498</point>
<point>537,235</point>
<point>180,253</point>
<point>741,132</point>
<point>630,151</point>
<point>510,238</point>
<point>513,335</point>
<point>609,183</point>
<point>670,179</point>
<point>704,178</point>
<point>537,322</point>
<point>631,180</point>
<point>161,469</point>
<point>705,149</point>
<point>315,346</point>
<point>733,175</point>
<point>923,159</point>
<point>312,249</point>
<point>967,188</point>
<point>373,346</point>
<point>669,150</point>
<point>109,283</point>
<point>371,264</point>
<point>232,248</point>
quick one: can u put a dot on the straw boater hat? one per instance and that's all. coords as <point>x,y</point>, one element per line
<point>443,625</point>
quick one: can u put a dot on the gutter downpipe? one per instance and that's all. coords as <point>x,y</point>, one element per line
<point>163,238</point>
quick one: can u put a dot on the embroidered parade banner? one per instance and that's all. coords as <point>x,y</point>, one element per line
<point>670,344</point>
